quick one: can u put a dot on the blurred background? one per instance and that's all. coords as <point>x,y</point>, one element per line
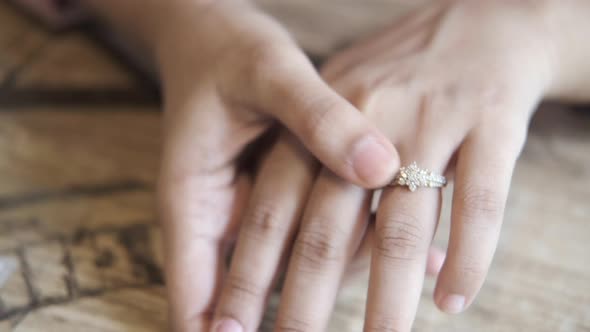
<point>79,241</point>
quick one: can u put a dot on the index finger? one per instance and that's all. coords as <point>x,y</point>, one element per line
<point>196,227</point>
<point>199,199</point>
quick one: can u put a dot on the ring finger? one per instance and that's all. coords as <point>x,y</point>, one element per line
<point>406,222</point>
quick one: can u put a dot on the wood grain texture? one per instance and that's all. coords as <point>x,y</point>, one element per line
<point>77,208</point>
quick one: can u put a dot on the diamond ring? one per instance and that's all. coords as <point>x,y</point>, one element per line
<point>414,177</point>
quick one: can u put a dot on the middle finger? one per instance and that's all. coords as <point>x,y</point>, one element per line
<point>266,232</point>
<point>333,226</point>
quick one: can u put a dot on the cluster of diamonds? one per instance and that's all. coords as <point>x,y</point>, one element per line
<point>413,177</point>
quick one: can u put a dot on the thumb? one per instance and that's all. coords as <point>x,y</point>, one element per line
<point>331,128</point>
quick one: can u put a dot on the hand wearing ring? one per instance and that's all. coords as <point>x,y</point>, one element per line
<point>431,91</point>
<point>414,177</point>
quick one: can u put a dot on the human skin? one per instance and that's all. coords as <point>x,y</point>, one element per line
<point>229,73</point>
<point>453,87</point>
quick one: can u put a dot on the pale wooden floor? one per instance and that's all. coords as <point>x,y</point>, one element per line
<point>79,143</point>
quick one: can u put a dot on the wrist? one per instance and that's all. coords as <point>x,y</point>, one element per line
<point>149,21</point>
<point>197,27</point>
<point>566,22</point>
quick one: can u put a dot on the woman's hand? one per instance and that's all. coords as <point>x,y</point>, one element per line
<point>453,86</point>
<point>228,73</point>
<point>267,230</point>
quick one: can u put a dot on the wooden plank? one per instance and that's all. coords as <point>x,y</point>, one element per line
<point>77,206</point>
<point>75,61</point>
<point>20,39</point>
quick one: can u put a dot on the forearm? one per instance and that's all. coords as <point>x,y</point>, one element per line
<point>568,22</point>
<point>145,21</point>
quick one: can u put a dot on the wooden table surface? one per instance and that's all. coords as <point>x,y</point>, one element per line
<point>79,142</point>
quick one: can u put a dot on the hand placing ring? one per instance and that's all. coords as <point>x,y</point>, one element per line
<point>414,177</point>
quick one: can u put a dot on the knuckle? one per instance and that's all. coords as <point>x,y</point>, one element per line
<point>270,61</point>
<point>387,324</point>
<point>489,97</point>
<point>260,64</point>
<point>180,197</point>
<point>266,58</point>
<point>361,96</point>
<point>477,202</point>
<point>181,178</point>
<point>292,325</point>
<point>473,272</point>
<point>242,287</point>
<point>319,246</point>
<point>319,111</point>
<point>491,94</point>
<point>182,183</point>
<point>400,237</point>
<point>382,328</point>
<point>473,269</point>
<point>264,220</point>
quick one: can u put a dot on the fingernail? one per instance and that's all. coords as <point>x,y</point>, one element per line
<point>227,325</point>
<point>453,303</point>
<point>374,161</point>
